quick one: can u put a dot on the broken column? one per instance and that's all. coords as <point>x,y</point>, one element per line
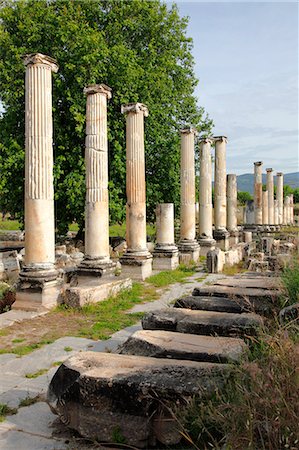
<point>206,240</point>
<point>38,285</point>
<point>279,196</point>
<point>232,205</point>
<point>137,261</point>
<point>97,256</point>
<point>270,189</point>
<point>258,189</point>
<point>220,233</point>
<point>276,215</point>
<point>165,255</point>
<point>265,207</point>
<point>188,246</point>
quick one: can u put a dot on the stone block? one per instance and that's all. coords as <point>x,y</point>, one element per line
<point>37,296</point>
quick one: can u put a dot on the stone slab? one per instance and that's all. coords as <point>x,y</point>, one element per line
<point>168,344</point>
<point>239,292</point>
<point>96,392</point>
<point>258,283</point>
<point>220,304</point>
<point>17,315</point>
<point>202,322</point>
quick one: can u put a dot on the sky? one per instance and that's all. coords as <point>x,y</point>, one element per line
<point>246,59</point>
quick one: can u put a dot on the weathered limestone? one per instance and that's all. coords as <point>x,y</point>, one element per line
<point>286,210</point>
<point>220,233</point>
<point>166,255</point>
<point>279,196</point>
<point>98,393</point>
<point>97,260</point>
<point>38,286</point>
<point>291,209</point>
<point>270,189</point>
<point>249,294</point>
<point>276,213</point>
<point>247,236</point>
<point>265,208</point>
<point>206,240</point>
<point>232,225</point>
<point>188,246</point>
<point>258,189</point>
<point>137,261</point>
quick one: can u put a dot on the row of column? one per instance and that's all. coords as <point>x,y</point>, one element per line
<point>267,210</point>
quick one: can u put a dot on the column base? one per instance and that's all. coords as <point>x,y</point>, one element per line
<point>188,251</point>
<point>165,257</point>
<point>206,245</point>
<point>233,237</point>
<point>99,268</point>
<point>136,265</point>
<point>221,237</point>
<point>37,290</point>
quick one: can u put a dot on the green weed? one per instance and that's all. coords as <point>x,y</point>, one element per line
<point>29,401</point>
<point>5,410</point>
<point>36,374</point>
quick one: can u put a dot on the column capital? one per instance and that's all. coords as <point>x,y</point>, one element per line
<point>205,140</point>
<point>189,130</point>
<point>134,108</point>
<point>258,163</point>
<point>98,89</point>
<point>279,174</point>
<point>220,139</point>
<point>269,170</point>
<point>39,58</point>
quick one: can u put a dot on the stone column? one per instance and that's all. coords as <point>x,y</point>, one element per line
<point>279,196</point>
<point>205,198</point>
<point>220,233</point>
<point>258,189</point>
<point>286,210</point>
<point>265,195</point>
<point>276,215</point>
<point>291,209</point>
<point>97,258</point>
<point>188,246</point>
<point>137,261</point>
<point>166,254</point>
<point>270,189</point>
<point>232,206</point>
<point>37,283</point>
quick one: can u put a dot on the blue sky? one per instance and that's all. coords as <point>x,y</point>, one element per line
<point>246,56</point>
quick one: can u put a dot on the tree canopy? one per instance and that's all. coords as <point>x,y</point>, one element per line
<point>138,48</point>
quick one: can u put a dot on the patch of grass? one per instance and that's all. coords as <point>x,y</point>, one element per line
<point>5,410</point>
<point>17,341</point>
<point>68,349</point>
<point>10,225</point>
<point>233,270</point>
<point>27,401</point>
<point>57,363</point>
<point>36,374</point>
<point>168,277</point>
<point>117,436</point>
<point>290,282</point>
<point>22,350</point>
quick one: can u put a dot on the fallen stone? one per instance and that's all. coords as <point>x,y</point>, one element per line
<point>202,322</point>
<point>257,283</point>
<point>220,304</point>
<point>167,344</point>
<point>97,393</point>
<point>289,313</point>
<point>238,292</point>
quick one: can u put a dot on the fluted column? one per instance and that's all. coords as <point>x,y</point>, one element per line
<point>270,189</point>
<point>137,256</point>
<point>220,184</point>
<point>205,196</point>
<point>279,196</point>
<point>276,214</point>
<point>97,259</point>
<point>187,243</point>
<point>258,189</point>
<point>232,225</point>
<point>166,252</point>
<point>265,195</point>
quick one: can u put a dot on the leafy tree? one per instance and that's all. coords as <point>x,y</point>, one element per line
<point>243,197</point>
<point>141,50</point>
<point>296,195</point>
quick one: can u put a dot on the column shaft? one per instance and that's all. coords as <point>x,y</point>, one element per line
<point>276,215</point>
<point>270,189</point>
<point>187,185</point>
<point>279,196</point>
<point>165,224</point>
<point>232,225</point>
<point>205,190</point>
<point>258,189</point>
<point>266,208</point>
<point>220,183</point>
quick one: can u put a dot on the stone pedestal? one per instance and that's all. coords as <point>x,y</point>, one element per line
<point>206,240</point>
<point>166,254</point>
<point>220,233</point>
<point>96,261</point>
<point>279,196</point>
<point>188,246</point>
<point>232,205</point>
<point>137,261</point>
<point>265,208</point>
<point>38,285</point>
<point>258,190</point>
<point>270,189</point>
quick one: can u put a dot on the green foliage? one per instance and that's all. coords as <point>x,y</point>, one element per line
<point>243,197</point>
<point>290,281</point>
<point>36,374</point>
<point>5,410</point>
<point>168,277</point>
<point>27,401</point>
<point>141,50</point>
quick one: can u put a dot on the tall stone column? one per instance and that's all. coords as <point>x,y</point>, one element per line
<point>188,246</point>
<point>265,199</point>
<point>276,215</point>
<point>220,233</point>
<point>232,207</point>
<point>279,196</point>
<point>291,209</point>
<point>166,254</point>
<point>97,258</point>
<point>286,210</point>
<point>206,240</point>
<point>137,261</point>
<point>270,189</point>
<point>37,286</point>
<point>258,189</point>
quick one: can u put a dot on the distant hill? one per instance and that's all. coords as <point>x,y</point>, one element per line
<point>245,181</point>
